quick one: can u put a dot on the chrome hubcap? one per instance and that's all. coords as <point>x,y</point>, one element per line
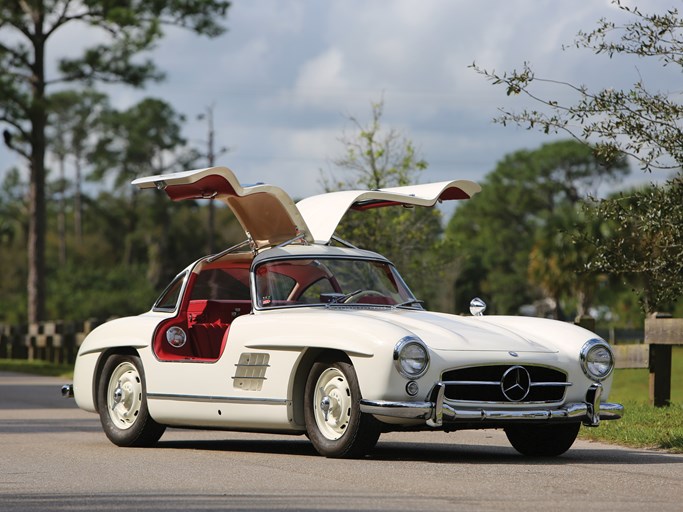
<point>124,395</point>
<point>332,404</point>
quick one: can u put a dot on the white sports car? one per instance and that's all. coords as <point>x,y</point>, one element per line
<point>296,331</point>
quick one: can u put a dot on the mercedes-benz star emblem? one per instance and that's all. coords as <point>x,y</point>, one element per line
<point>515,383</point>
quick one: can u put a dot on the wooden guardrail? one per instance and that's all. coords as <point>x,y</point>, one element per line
<point>57,342</point>
<point>631,356</point>
<point>655,354</point>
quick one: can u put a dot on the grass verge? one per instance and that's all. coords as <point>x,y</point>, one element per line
<point>44,368</point>
<point>642,426</point>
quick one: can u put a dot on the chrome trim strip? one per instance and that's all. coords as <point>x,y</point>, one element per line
<point>220,399</point>
<point>578,411</point>
<point>507,403</point>
<point>342,241</point>
<point>497,383</point>
<point>409,410</point>
<point>227,251</point>
<point>550,384</point>
<point>246,377</point>
<point>300,236</point>
<point>471,382</point>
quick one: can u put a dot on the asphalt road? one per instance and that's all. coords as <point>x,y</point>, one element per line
<point>55,457</point>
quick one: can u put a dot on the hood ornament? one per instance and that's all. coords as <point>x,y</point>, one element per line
<point>477,307</point>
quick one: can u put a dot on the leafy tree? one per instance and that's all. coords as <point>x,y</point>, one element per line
<point>13,233</point>
<point>495,232</point>
<point>26,30</point>
<point>210,154</point>
<point>377,158</point>
<point>74,117</point>
<point>638,122</point>
<point>143,140</point>
<point>644,243</point>
<point>13,221</point>
<point>562,250</point>
<point>95,281</point>
<point>138,141</point>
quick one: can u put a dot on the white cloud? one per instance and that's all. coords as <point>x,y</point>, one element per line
<point>324,72</point>
<point>289,72</point>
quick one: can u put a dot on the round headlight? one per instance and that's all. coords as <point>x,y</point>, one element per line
<point>411,357</point>
<point>176,337</point>
<point>597,360</point>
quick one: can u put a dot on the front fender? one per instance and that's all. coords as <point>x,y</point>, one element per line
<point>368,341</point>
<point>131,332</point>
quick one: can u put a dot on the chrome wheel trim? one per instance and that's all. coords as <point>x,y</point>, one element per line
<point>124,395</point>
<point>332,404</point>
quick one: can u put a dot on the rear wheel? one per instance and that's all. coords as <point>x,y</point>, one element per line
<point>122,403</point>
<point>542,440</point>
<point>334,422</point>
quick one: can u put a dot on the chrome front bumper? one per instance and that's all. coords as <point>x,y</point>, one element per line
<point>436,412</point>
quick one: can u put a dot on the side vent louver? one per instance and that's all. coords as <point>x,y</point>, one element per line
<point>250,372</point>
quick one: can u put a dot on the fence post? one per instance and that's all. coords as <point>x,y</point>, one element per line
<point>661,333</point>
<point>660,375</point>
<point>4,341</point>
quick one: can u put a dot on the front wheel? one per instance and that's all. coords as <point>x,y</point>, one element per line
<point>542,440</point>
<point>122,403</point>
<point>334,422</point>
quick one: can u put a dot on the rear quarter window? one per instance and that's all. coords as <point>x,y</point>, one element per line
<point>169,297</point>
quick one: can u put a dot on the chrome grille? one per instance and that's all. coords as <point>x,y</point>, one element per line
<point>485,384</point>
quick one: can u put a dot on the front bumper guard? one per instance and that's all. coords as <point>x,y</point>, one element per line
<point>436,412</point>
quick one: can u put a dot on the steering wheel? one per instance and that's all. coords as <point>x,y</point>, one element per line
<point>358,294</point>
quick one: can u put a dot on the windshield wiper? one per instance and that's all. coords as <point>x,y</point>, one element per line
<point>341,298</point>
<point>408,302</point>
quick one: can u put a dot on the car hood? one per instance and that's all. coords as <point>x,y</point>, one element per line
<point>450,332</point>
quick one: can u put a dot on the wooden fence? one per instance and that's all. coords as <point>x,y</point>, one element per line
<point>56,342</point>
<point>660,334</point>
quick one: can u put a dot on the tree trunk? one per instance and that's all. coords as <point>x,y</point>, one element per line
<point>36,237</point>
<point>61,216</point>
<point>78,205</point>
<point>36,230</point>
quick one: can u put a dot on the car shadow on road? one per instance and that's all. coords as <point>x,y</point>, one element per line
<point>286,446</point>
<point>436,452</point>
<point>490,454</point>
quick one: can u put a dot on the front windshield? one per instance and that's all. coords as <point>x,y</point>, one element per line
<point>330,281</point>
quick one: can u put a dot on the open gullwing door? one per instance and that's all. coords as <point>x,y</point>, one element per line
<point>266,212</point>
<point>323,213</point>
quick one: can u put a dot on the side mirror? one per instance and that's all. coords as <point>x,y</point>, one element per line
<point>477,307</point>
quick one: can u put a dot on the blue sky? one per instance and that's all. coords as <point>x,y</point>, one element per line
<point>288,73</point>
